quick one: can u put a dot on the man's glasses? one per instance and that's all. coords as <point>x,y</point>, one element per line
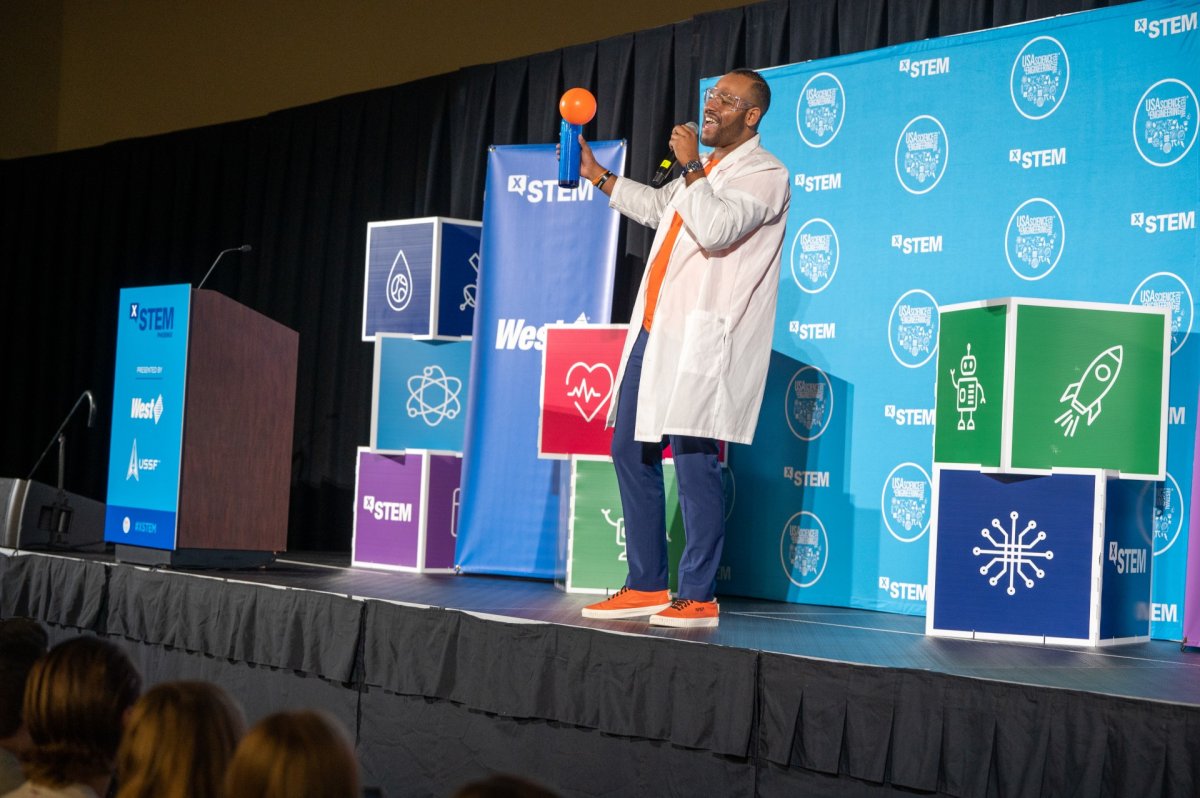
<point>727,100</point>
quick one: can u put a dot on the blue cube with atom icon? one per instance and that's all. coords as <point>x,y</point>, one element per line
<point>1061,559</point>
<point>419,399</point>
<point>421,277</point>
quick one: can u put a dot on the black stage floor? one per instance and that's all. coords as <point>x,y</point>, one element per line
<point>1157,671</point>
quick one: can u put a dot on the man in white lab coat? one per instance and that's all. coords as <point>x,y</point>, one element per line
<point>695,360</point>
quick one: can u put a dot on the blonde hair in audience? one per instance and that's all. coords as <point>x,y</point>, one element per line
<point>75,702</point>
<point>304,754</point>
<point>178,741</point>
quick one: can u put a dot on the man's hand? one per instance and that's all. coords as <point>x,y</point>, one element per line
<point>588,168</point>
<point>685,144</point>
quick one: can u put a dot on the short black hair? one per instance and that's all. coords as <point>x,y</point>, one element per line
<point>758,86</point>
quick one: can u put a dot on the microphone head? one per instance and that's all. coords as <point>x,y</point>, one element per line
<point>245,248</point>
<point>694,127</point>
<point>91,422</point>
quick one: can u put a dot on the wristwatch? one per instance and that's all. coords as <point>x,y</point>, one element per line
<point>693,166</point>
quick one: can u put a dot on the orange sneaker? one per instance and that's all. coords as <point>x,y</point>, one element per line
<point>629,603</point>
<point>687,613</point>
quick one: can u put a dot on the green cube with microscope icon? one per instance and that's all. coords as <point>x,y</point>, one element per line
<point>1034,385</point>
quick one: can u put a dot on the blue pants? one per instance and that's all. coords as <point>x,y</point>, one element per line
<point>640,479</point>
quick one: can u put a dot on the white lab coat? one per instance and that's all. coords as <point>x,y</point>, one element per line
<point>705,366</point>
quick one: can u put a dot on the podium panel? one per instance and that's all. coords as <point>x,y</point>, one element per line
<point>149,391</point>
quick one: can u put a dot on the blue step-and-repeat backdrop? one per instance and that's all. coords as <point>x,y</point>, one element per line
<point>1052,159</point>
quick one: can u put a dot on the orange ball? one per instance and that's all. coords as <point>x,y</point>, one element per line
<point>577,106</point>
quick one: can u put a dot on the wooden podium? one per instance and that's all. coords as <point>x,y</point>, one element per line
<point>234,460</point>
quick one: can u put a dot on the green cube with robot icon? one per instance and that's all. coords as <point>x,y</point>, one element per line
<point>1033,385</point>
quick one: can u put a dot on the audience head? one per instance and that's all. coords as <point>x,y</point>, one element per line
<point>76,698</point>
<point>503,786</point>
<point>179,738</point>
<point>22,641</point>
<point>303,754</point>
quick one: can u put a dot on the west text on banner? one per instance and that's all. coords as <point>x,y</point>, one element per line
<point>149,385</point>
<point>548,254</point>
<point>941,172</point>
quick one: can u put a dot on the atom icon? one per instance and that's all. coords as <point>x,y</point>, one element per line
<point>433,395</point>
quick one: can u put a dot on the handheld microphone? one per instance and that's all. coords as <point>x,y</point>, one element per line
<point>242,248</point>
<point>668,163</point>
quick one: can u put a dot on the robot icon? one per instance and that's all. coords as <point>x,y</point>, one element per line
<point>968,392</point>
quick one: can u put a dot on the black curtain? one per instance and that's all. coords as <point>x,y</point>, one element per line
<point>300,186</point>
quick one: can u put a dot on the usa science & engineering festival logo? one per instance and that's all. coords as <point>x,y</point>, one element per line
<point>815,255</point>
<point>905,502</point>
<point>820,110</point>
<point>922,152</point>
<point>913,328</point>
<point>1033,242</point>
<point>1168,513</point>
<point>808,403</point>
<point>1164,122</point>
<point>1168,290</point>
<point>804,549</point>
<point>1040,74</point>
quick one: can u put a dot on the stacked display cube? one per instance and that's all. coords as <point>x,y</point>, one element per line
<point>1050,431</point>
<point>421,277</point>
<point>418,308</point>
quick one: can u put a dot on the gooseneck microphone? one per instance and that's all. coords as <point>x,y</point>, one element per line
<point>242,248</point>
<point>60,438</point>
<point>668,163</point>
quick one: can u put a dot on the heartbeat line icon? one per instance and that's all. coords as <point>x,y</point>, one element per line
<point>584,390</point>
<point>589,399</point>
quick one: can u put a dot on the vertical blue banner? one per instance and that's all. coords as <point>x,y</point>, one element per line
<point>147,416</point>
<point>1054,159</point>
<point>548,254</point>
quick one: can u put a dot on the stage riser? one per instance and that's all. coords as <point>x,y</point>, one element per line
<point>437,697</point>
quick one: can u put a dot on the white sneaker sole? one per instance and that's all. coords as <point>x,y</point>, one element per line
<point>685,623</point>
<point>632,612</point>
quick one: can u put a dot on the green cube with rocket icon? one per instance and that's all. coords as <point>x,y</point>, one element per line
<point>1033,385</point>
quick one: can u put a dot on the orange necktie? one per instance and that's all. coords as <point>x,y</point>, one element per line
<point>658,268</point>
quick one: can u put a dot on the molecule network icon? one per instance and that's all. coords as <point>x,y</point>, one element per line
<point>1012,553</point>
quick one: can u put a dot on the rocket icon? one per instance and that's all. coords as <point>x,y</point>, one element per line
<point>1085,395</point>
